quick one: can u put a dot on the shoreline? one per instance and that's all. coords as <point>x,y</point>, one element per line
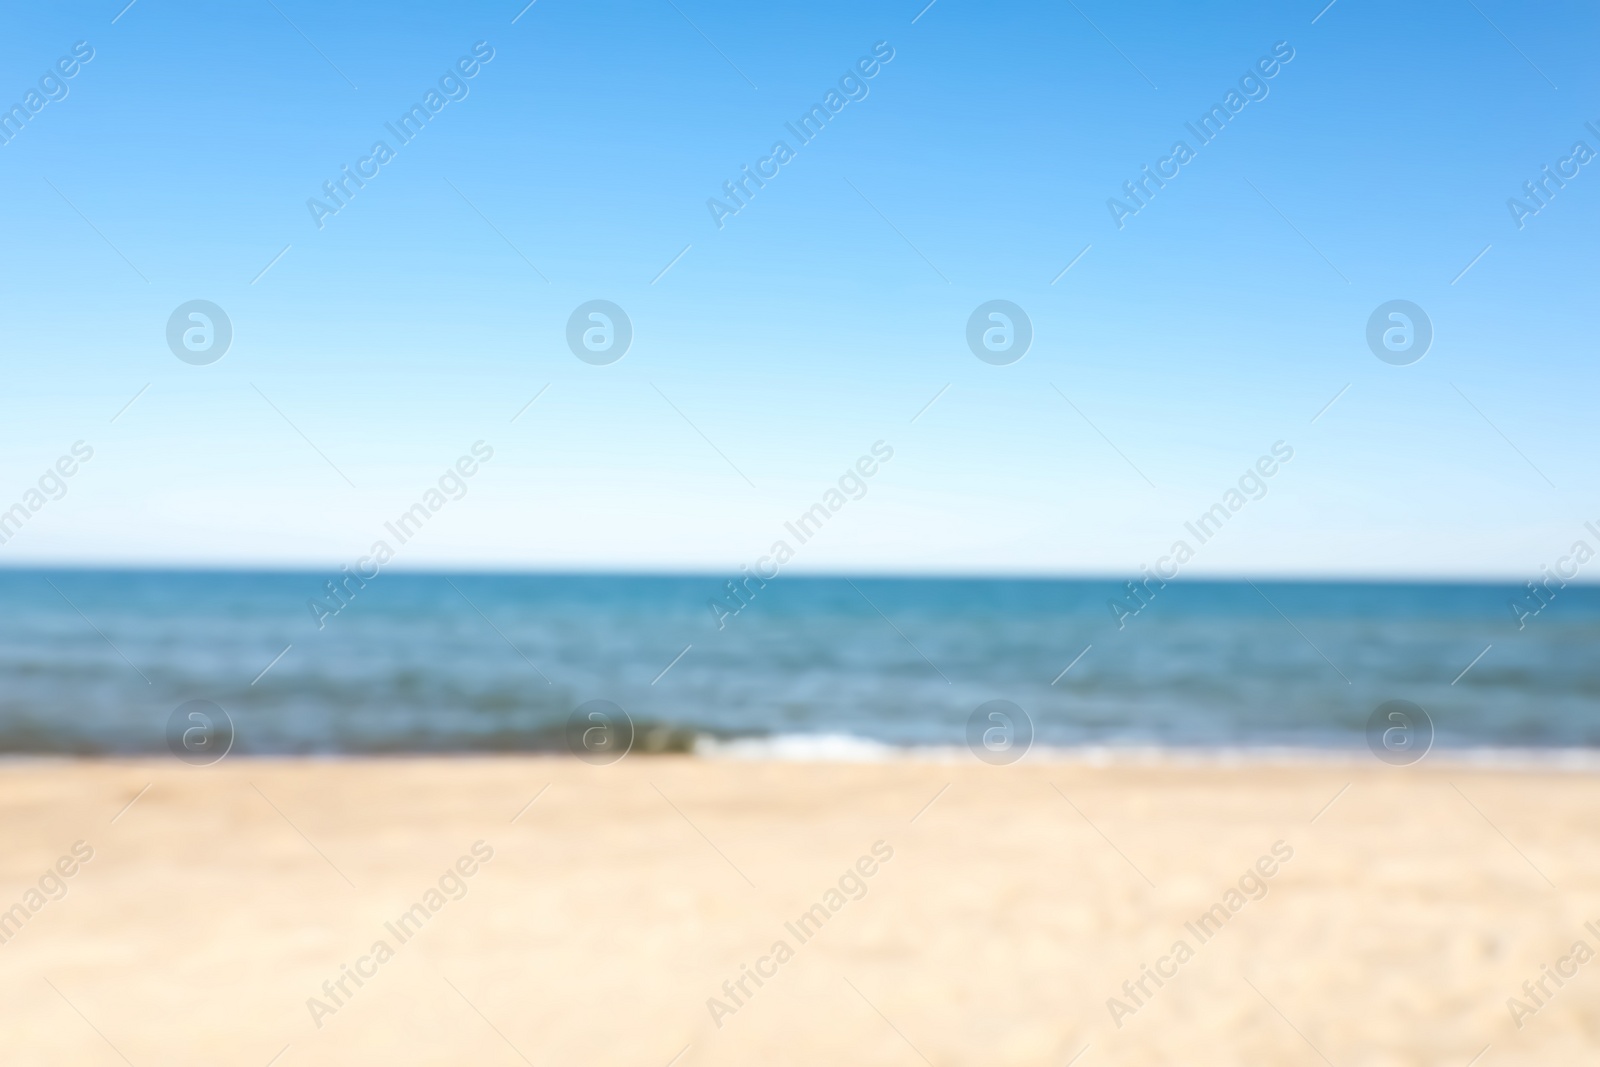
<point>866,753</point>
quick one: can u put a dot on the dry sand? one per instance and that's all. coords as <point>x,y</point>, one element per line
<point>1014,906</point>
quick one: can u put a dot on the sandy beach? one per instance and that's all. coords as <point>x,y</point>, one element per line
<point>674,910</point>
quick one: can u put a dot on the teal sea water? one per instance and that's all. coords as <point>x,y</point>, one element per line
<point>95,661</point>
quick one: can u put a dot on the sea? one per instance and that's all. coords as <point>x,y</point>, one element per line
<point>98,662</point>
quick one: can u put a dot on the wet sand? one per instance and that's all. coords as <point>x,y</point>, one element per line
<point>926,912</point>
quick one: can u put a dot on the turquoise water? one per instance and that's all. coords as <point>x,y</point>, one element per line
<point>416,663</point>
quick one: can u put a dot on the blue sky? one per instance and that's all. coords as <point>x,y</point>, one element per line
<point>827,313</point>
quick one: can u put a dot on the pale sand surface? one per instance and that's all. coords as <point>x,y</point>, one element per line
<point>618,903</point>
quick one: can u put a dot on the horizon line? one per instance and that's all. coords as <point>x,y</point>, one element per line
<point>843,574</point>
